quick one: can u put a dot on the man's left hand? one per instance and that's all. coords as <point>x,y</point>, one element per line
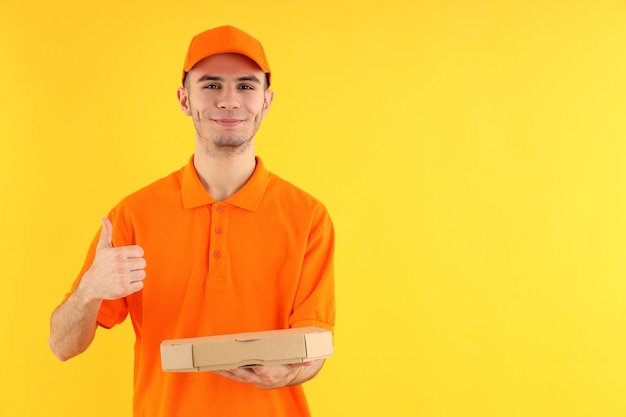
<point>275,376</point>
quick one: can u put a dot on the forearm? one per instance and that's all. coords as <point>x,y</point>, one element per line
<point>73,326</point>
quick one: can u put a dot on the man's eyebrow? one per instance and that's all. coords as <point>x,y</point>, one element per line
<point>250,78</point>
<point>210,78</point>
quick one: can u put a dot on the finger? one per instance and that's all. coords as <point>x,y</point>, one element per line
<point>133,251</point>
<point>129,252</point>
<point>136,286</point>
<point>244,375</point>
<point>137,276</point>
<point>135,264</point>
<point>105,234</point>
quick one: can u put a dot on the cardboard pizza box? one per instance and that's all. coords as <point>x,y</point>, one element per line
<point>229,351</point>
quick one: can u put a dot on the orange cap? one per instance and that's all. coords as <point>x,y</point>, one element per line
<point>221,40</point>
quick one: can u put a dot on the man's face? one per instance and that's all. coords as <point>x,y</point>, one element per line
<point>226,97</point>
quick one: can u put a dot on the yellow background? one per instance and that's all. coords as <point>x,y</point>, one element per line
<point>471,153</point>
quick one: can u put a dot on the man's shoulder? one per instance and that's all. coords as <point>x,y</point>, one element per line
<point>287,191</point>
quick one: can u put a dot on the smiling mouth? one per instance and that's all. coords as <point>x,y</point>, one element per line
<point>228,122</point>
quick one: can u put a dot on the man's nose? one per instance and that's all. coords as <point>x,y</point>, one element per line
<point>228,99</point>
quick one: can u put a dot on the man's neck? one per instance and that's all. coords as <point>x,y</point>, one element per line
<point>223,176</point>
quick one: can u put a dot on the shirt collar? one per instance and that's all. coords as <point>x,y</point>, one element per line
<point>248,197</point>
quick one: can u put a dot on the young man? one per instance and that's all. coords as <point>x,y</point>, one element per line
<point>220,246</point>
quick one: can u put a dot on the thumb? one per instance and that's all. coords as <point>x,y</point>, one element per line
<point>105,234</point>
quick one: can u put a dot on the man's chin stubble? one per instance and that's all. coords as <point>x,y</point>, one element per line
<point>227,146</point>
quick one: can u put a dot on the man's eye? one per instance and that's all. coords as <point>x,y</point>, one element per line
<point>211,86</point>
<point>246,87</point>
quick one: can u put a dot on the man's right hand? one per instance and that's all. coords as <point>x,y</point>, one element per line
<point>115,272</point>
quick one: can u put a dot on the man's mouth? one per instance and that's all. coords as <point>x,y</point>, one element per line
<point>228,122</point>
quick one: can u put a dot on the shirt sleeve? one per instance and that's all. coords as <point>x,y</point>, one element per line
<point>315,297</point>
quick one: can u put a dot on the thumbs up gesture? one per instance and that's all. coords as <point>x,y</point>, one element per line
<point>115,272</point>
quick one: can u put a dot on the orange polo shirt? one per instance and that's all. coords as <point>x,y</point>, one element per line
<point>260,260</point>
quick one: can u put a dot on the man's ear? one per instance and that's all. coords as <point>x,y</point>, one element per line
<point>267,102</point>
<point>183,100</point>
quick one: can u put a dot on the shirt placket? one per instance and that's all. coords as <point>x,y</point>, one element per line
<point>217,247</point>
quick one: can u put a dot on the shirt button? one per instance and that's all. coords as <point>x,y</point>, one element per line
<point>220,208</point>
<point>218,230</point>
<point>217,254</point>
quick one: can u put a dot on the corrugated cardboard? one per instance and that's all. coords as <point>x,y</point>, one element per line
<point>273,347</point>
